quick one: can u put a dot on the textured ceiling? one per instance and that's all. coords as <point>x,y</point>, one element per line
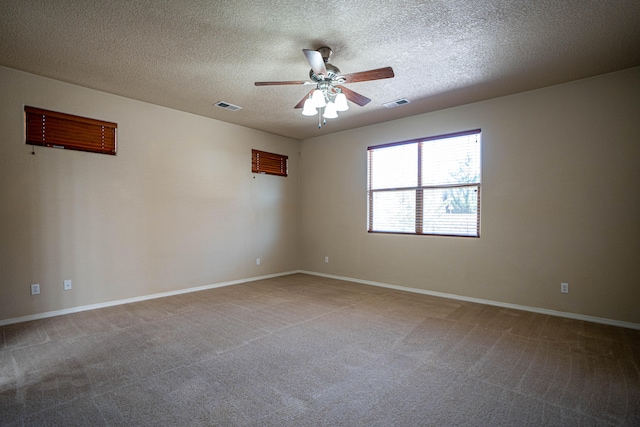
<point>190,54</point>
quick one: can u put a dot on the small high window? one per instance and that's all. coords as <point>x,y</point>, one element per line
<point>426,186</point>
<point>269,163</point>
<point>60,130</point>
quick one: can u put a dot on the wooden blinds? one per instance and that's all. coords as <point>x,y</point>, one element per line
<point>60,130</point>
<point>269,163</point>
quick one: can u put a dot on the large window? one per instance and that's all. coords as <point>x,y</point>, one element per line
<point>426,186</point>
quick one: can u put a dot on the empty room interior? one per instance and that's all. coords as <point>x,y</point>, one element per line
<point>176,278</point>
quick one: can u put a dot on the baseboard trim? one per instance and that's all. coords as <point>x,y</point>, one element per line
<point>78,309</point>
<point>483,301</point>
<point>604,321</point>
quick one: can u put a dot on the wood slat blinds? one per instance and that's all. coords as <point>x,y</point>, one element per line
<point>60,130</point>
<point>269,163</point>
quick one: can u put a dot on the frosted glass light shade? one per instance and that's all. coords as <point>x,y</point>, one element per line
<point>318,99</point>
<point>330,111</point>
<point>309,108</point>
<point>341,102</point>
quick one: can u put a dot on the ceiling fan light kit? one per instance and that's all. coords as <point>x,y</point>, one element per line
<point>330,111</point>
<point>319,97</point>
<point>341,102</point>
<point>309,108</point>
<point>329,97</point>
<point>325,101</point>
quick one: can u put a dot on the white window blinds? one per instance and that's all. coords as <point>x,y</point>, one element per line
<point>426,186</point>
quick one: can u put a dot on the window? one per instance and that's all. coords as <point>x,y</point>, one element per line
<point>426,186</point>
<point>60,130</point>
<point>269,163</point>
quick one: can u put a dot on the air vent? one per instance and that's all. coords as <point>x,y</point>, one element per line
<point>397,103</point>
<point>227,106</point>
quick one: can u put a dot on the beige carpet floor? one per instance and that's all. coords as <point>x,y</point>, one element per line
<point>301,350</point>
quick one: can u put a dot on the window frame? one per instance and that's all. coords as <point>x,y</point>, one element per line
<point>264,162</point>
<point>420,188</point>
<point>47,128</point>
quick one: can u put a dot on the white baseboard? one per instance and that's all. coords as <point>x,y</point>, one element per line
<point>135,299</point>
<point>483,301</point>
<point>330,276</point>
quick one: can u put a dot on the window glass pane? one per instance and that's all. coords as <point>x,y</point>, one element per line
<point>394,167</point>
<point>451,160</point>
<point>451,211</point>
<point>394,211</point>
<point>428,186</point>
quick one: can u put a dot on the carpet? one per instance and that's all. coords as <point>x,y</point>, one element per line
<point>301,350</point>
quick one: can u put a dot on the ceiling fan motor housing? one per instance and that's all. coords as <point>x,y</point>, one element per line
<point>332,72</point>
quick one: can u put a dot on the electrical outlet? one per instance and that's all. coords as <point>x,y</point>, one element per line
<point>257,261</point>
<point>35,289</point>
<point>67,286</point>
<point>564,288</point>
<point>326,260</point>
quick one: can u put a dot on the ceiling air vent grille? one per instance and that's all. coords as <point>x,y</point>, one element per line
<point>397,103</point>
<point>227,106</point>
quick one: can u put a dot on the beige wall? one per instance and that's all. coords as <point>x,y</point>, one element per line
<point>560,203</point>
<point>178,207</point>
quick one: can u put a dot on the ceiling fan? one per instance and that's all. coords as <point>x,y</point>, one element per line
<point>329,95</point>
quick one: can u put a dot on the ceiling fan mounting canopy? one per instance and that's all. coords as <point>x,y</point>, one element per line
<point>326,53</point>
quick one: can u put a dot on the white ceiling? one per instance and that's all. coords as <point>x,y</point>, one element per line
<point>190,54</point>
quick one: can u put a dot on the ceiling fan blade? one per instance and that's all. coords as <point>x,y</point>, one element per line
<point>291,82</point>
<point>315,60</point>
<point>363,76</point>
<point>355,97</point>
<point>301,103</point>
